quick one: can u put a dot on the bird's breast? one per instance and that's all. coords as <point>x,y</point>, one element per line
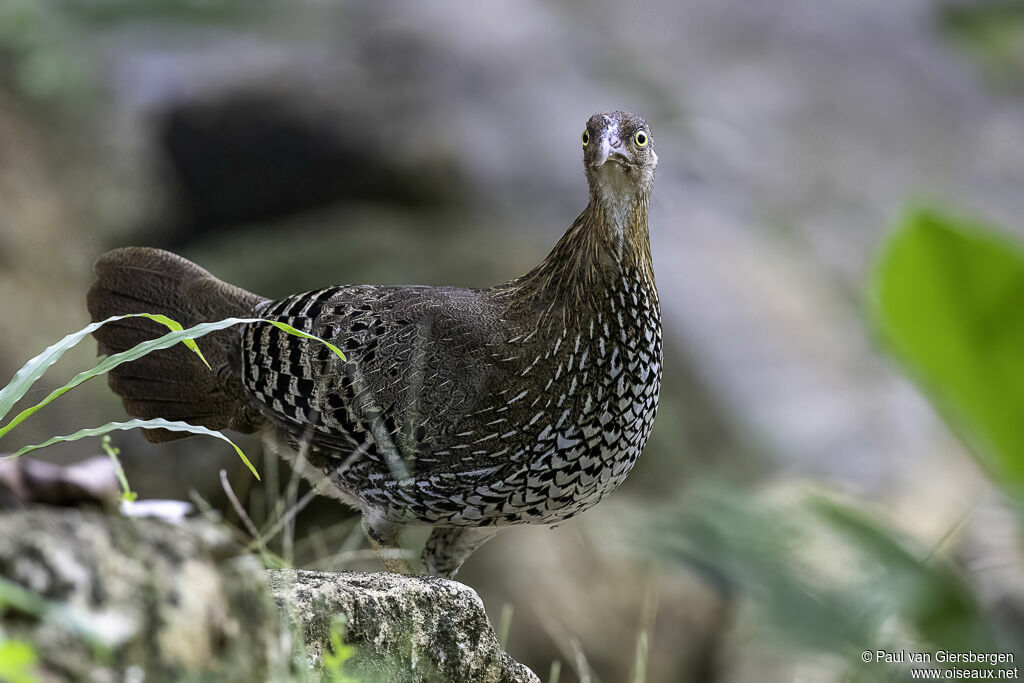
<point>577,427</point>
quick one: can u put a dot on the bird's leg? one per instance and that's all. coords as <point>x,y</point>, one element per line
<point>383,537</point>
<point>447,548</point>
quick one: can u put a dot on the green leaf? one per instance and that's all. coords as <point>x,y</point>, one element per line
<point>17,662</point>
<point>820,574</point>
<point>158,423</point>
<point>34,369</point>
<point>743,545</point>
<point>13,595</point>
<point>284,327</point>
<point>927,594</point>
<point>947,300</point>
<point>174,326</point>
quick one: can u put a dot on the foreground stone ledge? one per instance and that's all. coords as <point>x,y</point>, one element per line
<point>115,594</point>
<point>108,598</point>
<point>404,628</point>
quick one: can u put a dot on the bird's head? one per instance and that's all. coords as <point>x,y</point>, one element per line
<point>619,158</point>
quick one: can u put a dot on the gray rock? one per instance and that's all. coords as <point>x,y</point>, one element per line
<point>104,598</point>
<point>108,598</point>
<point>403,628</point>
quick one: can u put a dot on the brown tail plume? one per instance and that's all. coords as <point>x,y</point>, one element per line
<point>171,383</point>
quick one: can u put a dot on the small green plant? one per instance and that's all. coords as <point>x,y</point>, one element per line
<point>34,369</point>
<point>340,652</point>
<point>17,661</point>
<point>127,494</point>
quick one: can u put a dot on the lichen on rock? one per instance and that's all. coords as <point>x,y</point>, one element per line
<point>102,597</point>
<point>114,593</point>
<point>405,629</point>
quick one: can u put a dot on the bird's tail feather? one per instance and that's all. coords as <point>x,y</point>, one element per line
<point>171,383</point>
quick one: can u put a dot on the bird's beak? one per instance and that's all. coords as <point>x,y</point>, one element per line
<point>612,149</point>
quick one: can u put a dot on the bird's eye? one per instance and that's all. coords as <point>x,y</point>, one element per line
<point>640,138</point>
<point>585,137</point>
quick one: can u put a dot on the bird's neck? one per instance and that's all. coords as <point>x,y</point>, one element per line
<point>621,223</point>
<point>603,245</point>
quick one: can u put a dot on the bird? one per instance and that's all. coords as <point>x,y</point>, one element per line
<point>468,410</point>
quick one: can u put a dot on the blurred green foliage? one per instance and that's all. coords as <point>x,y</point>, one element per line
<point>826,577</point>
<point>991,33</point>
<point>43,42</point>
<point>947,300</point>
<point>17,662</point>
<point>903,581</point>
<point>37,47</point>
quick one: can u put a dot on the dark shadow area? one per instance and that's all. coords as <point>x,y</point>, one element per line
<point>254,157</point>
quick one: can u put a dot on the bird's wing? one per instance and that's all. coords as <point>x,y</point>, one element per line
<point>421,360</point>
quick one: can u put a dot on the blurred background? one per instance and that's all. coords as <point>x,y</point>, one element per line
<point>289,146</point>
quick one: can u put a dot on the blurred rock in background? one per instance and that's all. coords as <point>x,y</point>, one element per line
<point>287,146</point>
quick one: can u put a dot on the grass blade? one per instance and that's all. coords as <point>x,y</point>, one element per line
<point>34,368</point>
<point>38,365</point>
<point>158,423</point>
<point>16,596</point>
